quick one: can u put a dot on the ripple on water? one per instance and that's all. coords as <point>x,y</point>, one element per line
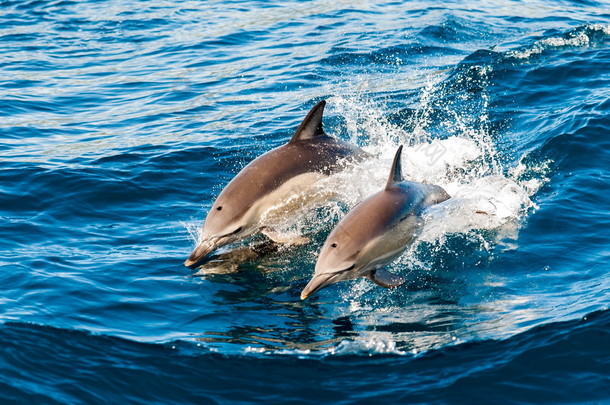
<point>121,121</point>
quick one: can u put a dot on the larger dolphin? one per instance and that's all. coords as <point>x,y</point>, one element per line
<point>374,233</point>
<point>270,180</point>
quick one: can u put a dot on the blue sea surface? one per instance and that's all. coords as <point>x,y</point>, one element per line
<point>122,120</point>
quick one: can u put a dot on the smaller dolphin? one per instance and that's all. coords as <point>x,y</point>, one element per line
<point>374,233</point>
<point>270,180</point>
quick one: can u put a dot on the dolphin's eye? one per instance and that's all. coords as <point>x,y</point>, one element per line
<point>334,245</point>
<point>219,208</point>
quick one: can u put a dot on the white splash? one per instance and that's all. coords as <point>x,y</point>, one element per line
<point>485,195</point>
<point>369,348</point>
<point>580,37</point>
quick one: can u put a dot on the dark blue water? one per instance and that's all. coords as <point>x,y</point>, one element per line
<point>121,121</point>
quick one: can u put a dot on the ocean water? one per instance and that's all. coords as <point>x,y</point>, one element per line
<point>121,121</point>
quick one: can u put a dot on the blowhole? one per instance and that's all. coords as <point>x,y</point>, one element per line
<point>334,245</point>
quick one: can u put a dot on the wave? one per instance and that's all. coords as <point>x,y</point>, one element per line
<point>49,365</point>
<point>588,35</point>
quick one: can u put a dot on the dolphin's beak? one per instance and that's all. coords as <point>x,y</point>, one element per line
<point>318,282</point>
<point>203,249</point>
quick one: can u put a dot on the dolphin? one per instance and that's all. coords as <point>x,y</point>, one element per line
<point>374,233</point>
<point>270,180</point>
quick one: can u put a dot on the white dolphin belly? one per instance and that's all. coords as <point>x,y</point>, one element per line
<point>383,249</point>
<point>297,194</point>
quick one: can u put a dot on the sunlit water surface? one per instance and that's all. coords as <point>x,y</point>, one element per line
<point>121,121</point>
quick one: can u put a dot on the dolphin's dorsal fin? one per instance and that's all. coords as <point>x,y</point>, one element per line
<point>311,125</point>
<point>395,172</point>
<point>384,278</point>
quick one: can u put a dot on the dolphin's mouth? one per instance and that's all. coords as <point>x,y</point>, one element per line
<point>209,244</point>
<point>201,251</point>
<point>322,280</point>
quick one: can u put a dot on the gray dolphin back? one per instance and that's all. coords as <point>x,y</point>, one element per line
<point>432,194</point>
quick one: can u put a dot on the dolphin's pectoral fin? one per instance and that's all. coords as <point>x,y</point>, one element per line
<point>265,248</point>
<point>289,239</point>
<point>385,279</point>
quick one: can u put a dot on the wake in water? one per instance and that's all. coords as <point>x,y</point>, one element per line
<point>486,195</point>
<point>450,141</point>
